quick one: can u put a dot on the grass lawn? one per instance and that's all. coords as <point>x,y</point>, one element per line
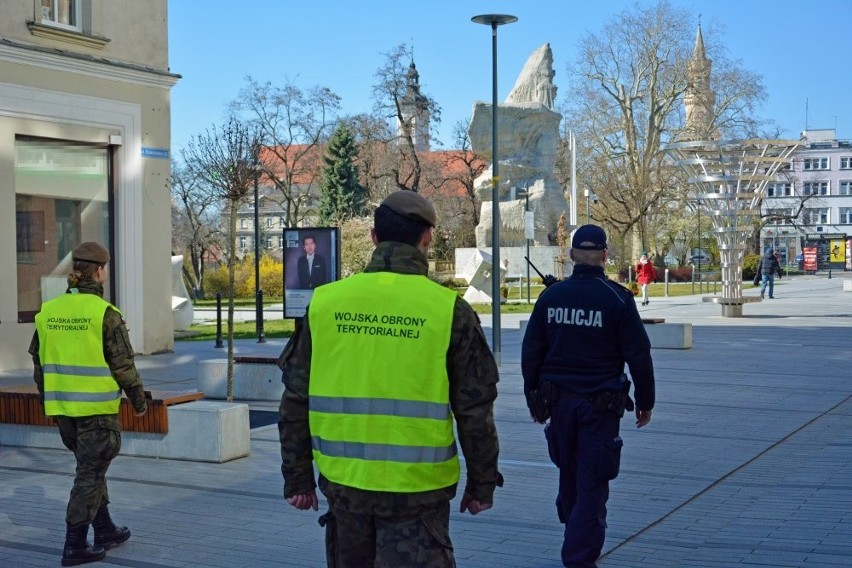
<point>242,330</point>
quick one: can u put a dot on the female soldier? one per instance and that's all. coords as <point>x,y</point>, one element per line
<point>82,360</point>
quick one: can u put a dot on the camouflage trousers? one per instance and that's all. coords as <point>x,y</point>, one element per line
<point>95,441</point>
<point>389,537</point>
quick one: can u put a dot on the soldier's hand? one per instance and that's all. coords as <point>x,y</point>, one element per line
<point>642,417</point>
<point>143,413</point>
<point>475,506</point>
<point>305,501</point>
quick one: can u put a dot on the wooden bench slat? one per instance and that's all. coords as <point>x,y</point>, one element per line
<point>21,404</point>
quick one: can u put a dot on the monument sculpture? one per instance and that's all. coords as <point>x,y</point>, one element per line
<point>182,311</point>
<point>728,179</point>
<point>528,136</point>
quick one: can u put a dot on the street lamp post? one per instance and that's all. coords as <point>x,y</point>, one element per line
<point>700,253</point>
<point>258,293</point>
<point>494,20</point>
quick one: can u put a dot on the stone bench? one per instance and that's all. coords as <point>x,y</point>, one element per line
<point>255,378</point>
<point>178,425</point>
<point>668,335</point>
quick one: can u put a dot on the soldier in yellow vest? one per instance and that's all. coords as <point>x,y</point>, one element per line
<point>382,367</point>
<point>82,360</point>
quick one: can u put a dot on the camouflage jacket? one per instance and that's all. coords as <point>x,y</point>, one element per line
<point>117,352</point>
<point>473,388</point>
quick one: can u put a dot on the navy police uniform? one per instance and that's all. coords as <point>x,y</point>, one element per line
<point>579,336</point>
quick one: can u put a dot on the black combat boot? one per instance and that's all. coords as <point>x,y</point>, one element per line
<point>77,550</point>
<point>107,534</point>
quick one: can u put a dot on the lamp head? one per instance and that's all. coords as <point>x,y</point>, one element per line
<point>494,20</point>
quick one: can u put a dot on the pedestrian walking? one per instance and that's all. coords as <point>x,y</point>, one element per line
<point>82,360</point>
<point>374,376</point>
<point>579,336</point>
<point>768,268</point>
<point>645,274</point>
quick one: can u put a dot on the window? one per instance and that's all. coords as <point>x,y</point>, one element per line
<point>815,163</point>
<point>243,223</point>
<point>61,13</point>
<point>280,221</point>
<point>815,216</point>
<point>269,242</point>
<point>779,189</point>
<point>846,163</point>
<point>846,187</point>
<point>62,198</point>
<point>815,188</point>
<point>779,216</point>
<point>846,215</point>
<point>242,242</point>
<point>269,221</point>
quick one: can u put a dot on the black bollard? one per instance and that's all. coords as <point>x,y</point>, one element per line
<point>829,274</point>
<point>259,317</point>
<point>219,320</point>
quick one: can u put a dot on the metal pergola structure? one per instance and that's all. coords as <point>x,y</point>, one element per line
<point>728,180</point>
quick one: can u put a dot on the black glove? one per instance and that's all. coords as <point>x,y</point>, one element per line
<point>549,280</point>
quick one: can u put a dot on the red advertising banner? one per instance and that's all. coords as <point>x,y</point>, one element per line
<point>810,258</point>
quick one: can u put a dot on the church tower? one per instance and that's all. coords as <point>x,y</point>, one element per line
<point>699,99</point>
<point>414,108</point>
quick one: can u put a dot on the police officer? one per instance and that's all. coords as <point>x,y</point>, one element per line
<point>374,376</point>
<point>82,360</point>
<point>579,336</point>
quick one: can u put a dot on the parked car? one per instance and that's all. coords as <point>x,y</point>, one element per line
<point>705,259</point>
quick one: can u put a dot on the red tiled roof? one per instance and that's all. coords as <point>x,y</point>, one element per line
<point>304,162</point>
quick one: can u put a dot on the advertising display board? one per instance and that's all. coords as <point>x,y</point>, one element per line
<point>311,259</point>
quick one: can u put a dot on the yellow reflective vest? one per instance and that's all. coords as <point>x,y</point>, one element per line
<point>77,379</point>
<point>379,406</point>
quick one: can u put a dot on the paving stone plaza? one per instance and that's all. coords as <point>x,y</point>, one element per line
<point>747,461</point>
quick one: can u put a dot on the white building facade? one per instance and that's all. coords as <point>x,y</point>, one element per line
<point>810,205</point>
<point>84,155</point>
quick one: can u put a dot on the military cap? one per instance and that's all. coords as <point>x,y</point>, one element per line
<point>411,205</point>
<point>589,237</point>
<point>91,251</point>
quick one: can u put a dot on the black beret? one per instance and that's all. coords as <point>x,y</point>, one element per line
<point>411,205</point>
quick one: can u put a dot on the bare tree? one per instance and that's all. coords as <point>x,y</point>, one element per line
<point>195,215</point>
<point>225,158</point>
<point>465,166</point>
<point>388,95</point>
<point>630,80</point>
<point>375,158</point>
<point>293,124</point>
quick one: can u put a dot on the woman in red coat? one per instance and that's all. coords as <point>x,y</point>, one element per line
<point>645,274</point>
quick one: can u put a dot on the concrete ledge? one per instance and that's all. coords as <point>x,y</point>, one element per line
<point>252,381</point>
<point>523,326</point>
<point>669,335</point>
<point>204,430</point>
<point>847,285</point>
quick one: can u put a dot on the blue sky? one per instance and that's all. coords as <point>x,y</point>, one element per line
<point>797,46</point>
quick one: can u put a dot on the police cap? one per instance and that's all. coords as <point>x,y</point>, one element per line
<point>589,237</point>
